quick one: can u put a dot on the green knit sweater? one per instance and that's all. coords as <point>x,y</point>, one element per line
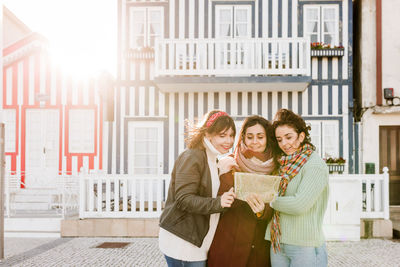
<point>303,207</point>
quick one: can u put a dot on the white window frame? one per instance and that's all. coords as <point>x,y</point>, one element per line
<point>78,134</point>
<point>233,9</point>
<point>320,23</point>
<point>322,138</point>
<point>131,138</point>
<point>10,125</point>
<point>147,24</point>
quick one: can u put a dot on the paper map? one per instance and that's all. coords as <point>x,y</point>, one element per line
<point>266,186</point>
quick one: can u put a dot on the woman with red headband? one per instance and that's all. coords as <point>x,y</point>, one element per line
<point>192,209</point>
<point>239,239</point>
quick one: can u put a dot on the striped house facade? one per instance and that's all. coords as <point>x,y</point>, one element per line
<point>53,123</point>
<point>160,87</point>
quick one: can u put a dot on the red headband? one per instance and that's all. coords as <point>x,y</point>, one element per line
<point>214,117</point>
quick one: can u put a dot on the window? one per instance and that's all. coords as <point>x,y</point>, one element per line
<point>10,130</point>
<point>321,23</point>
<point>233,21</point>
<point>81,131</point>
<point>325,137</point>
<point>146,25</point>
<point>145,151</point>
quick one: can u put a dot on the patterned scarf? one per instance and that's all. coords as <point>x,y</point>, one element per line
<point>290,167</point>
<point>255,162</point>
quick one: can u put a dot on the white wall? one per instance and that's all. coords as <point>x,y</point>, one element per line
<point>390,49</point>
<point>368,53</point>
<point>391,45</point>
<point>370,136</point>
<point>369,143</point>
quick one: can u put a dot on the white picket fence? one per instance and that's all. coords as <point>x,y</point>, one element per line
<point>244,56</point>
<point>143,196</point>
<point>122,196</point>
<point>375,195</point>
<point>60,194</point>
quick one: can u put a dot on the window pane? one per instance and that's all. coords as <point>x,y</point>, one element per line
<point>140,133</point>
<point>312,27</point>
<point>331,142</point>
<point>152,133</point>
<point>329,27</point>
<point>145,161</point>
<point>328,38</point>
<point>241,30</point>
<point>225,16</point>
<point>312,14</point>
<point>138,16</point>
<point>155,16</point>
<point>145,171</point>
<point>155,29</point>
<point>314,38</point>
<point>142,147</point>
<point>329,14</point>
<point>241,15</point>
<point>225,30</point>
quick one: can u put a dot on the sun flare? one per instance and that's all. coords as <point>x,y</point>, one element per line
<point>82,34</point>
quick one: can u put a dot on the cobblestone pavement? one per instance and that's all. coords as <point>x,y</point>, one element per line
<point>144,252</point>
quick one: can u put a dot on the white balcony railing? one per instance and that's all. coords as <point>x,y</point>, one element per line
<point>228,57</point>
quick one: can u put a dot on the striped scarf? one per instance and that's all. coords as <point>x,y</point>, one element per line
<point>290,167</point>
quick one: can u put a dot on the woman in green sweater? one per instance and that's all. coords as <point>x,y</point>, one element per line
<point>295,230</point>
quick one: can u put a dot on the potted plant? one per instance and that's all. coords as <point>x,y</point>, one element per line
<point>319,49</point>
<point>335,165</point>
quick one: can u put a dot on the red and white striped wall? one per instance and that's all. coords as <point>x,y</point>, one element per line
<point>53,122</point>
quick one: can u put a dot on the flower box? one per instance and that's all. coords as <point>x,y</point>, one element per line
<point>327,52</point>
<point>336,168</point>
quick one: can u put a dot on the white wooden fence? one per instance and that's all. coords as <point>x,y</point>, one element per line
<point>61,193</point>
<point>144,196</point>
<point>376,195</point>
<point>122,196</point>
<point>239,57</point>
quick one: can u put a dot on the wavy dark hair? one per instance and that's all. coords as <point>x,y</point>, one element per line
<point>272,146</point>
<point>197,132</point>
<point>291,119</point>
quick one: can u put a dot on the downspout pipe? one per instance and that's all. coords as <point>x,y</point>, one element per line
<point>379,52</point>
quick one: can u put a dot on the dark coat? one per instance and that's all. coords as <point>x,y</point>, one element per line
<point>239,239</point>
<point>189,202</point>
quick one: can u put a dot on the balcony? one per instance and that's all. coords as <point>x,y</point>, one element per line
<point>232,64</point>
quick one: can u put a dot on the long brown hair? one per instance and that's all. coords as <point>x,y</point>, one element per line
<point>291,119</point>
<point>197,132</point>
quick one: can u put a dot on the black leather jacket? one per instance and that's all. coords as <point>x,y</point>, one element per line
<point>189,202</point>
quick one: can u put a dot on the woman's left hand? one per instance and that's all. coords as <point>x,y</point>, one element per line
<point>255,203</point>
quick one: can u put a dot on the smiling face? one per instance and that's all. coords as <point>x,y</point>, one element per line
<point>288,139</point>
<point>222,141</point>
<point>255,138</point>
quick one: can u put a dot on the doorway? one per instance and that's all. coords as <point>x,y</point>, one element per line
<point>389,156</point>
<point>42,147</point>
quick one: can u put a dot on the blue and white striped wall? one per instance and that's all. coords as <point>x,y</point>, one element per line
<point>328,97</point>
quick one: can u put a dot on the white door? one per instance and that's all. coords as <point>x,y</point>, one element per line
<point>42,147</point>
<point>346,202</point>
<point>232,22</point>
<point>145,149</point>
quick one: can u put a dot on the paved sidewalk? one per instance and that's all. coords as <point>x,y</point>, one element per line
<point>144,252</point>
